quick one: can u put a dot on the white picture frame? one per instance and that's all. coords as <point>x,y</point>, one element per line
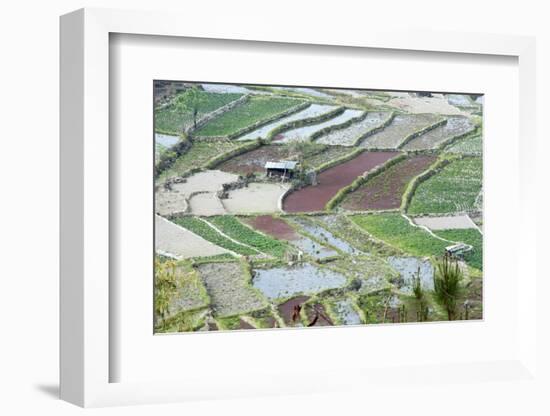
<point>85,211</point>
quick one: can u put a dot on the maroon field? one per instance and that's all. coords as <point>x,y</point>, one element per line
<point>314,198</point>
<point>385,190</point>
<point>275,227</point>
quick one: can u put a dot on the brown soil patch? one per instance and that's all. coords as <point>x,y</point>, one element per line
<point>385,191</point>
<point>314,198</point>
<point>245,325</point>
<point>286,309</point>
<point>317,315</point>
<point>275,227</point>
<point>254,161</point>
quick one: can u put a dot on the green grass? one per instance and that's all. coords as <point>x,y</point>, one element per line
<point>470,236</point>
<point>398,232</point>
<point>453,189</point>
<point>256,109</point>
<point>202,229</point>
<point>240,232</point>
<point>197,155</point>
<point>171,121</point>
<point>469,145</point>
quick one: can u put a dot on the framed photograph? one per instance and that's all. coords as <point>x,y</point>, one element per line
<point>311,208</point>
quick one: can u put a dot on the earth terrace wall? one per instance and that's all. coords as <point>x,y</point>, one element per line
<point>168,158</point>
<point>304,122</point>
<point>420,132</point>
<point>374,130</point>
<point>341,194</point>
<point>258,124</point>
<point>335,127</point>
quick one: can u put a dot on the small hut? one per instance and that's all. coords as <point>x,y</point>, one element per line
<point>458,250</point>
<point>283,169</point>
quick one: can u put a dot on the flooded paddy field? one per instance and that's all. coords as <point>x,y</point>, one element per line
<point>455,126</point>
<point>173,199</point>
<point>303,279</point>
<point>410,268</point>
<point>255,198</point>
<point>313,110</point>
<point>305,133</point>
<point>330,181</point>
<point>401,126</point>
<point>349,135</point>
<point>322,234</point>
<point>385,191</point>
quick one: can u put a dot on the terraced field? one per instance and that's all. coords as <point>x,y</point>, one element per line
<point>233,228</point>
<point>350,135</point>
<point>245,241</point>
<point>314,110</point>
<point>305,133</point>
<point>454,189</point>
<point>197,156</point>
<point>385,191</point>
<point>400,128</point>
<point>400,233</point>
<point>330,181</point>
<point>455,126</point>
<point>172,119</point>
<point>469,146</point>
<point>254,110</point>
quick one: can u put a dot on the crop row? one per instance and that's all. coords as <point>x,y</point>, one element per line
<point>202,229</point>
<point>255,109</point>
<point>172,120</point>
<point>396,230</point>
<point>454,189</point>
<point>232,227</point>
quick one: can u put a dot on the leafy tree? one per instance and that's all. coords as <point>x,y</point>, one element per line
<point>447,284</point>
<point>191,100</point>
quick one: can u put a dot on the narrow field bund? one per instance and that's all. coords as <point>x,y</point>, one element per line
<point>330,181</point>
